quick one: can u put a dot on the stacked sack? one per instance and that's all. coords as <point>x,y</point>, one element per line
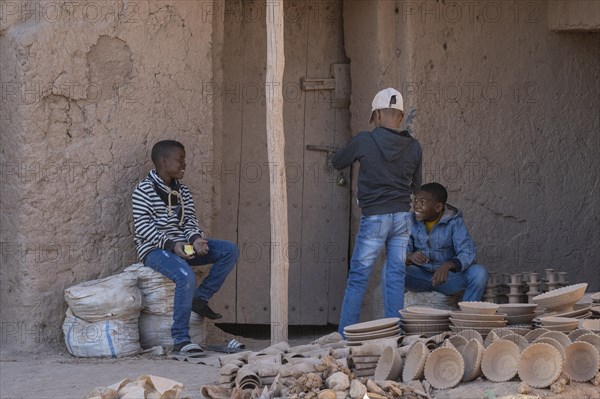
<point>156,317</point>
<point>102,318</point>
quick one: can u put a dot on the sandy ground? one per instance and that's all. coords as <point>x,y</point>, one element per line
<point>57,375</point>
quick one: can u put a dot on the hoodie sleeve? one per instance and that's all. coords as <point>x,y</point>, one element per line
<point>463,245</point>
<point>417,178</point>
<point>345,156</point>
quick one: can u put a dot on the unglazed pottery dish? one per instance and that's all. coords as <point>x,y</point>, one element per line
<point>500,361</point>
<point>582,361</point>
<point>573,335</point>
<point>444,368</point>
<point>472,353</point>
<point>593,325</point>
<point>561,298</point>
<point>562,338</point>
<point>533,334</point>
<point>516,309</point>
<point>389,366</point>
<point>591,338</point>
<point>372,325</point>
<point>469,334</point>
<point>540,365</point>
<point>478,307</point>
<point>554,343</point>
<point>423,310</point>
<point>415,362</point>
<point>517,339</point>
<point>477,316</point>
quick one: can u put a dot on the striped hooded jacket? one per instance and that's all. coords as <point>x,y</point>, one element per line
<point>162,215</point>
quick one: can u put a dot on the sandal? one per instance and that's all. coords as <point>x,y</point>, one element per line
<point>187,350</point>
<point>233,346</point>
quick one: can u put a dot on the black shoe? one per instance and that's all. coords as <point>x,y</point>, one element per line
<point>202,309</point>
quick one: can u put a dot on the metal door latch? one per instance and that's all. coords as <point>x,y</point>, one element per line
<point>330,150</point>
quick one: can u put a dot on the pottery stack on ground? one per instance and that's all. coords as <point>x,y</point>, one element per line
<point>357,334</point>
<point>478,316</point>
<point>424,320</point>
<point>520,314</point>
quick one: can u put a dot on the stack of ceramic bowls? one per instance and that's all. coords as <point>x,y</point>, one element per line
<point>518,313</point>
<point>562,324</point>
<point>356,334</point>
<point>424,321</point>
<point>479,316</point>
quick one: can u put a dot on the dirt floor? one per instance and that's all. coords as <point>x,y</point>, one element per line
<point>57,375</point>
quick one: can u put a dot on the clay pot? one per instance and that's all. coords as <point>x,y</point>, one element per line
<point>517,339</point>
<point>444,368</point>
<point>415,362</point>
<point>471,334</point>
<point>582,361</point>
<point>472,354</point>
<point>478,307</point>
<point>573,335</point>
<point>590,338</point>
<point>540,365</point>
<point>389,366</point>
<point>561,298</point>
<point>554,343</point>
<point>500,361</point>
<point>557,335</point>
<point>532,335</point>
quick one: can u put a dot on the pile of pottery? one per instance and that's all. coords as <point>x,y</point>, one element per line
<point>479,316</point>
<point>424,321</point>
<point>356,334</point>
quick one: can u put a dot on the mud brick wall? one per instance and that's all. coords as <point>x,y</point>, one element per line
<point>87,88</point>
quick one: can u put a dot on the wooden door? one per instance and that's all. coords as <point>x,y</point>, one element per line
<point>316,96</point>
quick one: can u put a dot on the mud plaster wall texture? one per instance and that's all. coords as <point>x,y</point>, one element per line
<point>507,114</point>
<point>87,88</point>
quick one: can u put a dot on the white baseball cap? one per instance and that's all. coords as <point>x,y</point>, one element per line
<point>387,98</point>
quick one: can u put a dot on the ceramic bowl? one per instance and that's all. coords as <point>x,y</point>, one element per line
<point>533,334</point>
<point>517,309</point>
<point>389,366</point>
<point>372,325</point>
<point>540,365</point>
<point>469,334</point>
<point>478,307</point>
<point>476,323</point>
<point>472,353</point>
<point>500,361</point>
<point>556,321</point>
<point>562,338</point>
<point>444,368</point>
<point>561,298</point>
<point>592,325</point>
<point>582,361</point>
<point>517,339</point>
<point>423,310</point>
<point>554,343</point>
<point>520,319</point>
<point>573,335</point>
<point>415,362</point>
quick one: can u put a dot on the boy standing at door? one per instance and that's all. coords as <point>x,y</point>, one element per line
<point>390,171</point>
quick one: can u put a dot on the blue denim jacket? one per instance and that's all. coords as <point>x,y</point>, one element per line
<point>449,240</point>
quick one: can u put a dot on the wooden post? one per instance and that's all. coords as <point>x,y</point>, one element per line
<point>276,155</point>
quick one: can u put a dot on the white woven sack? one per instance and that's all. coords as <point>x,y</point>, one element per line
<point>107,338</point>
<point>155,330</point>
<point>157,290</point>
<point>114,297</point>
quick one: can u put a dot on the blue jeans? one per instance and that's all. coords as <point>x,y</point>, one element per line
<point>222,254</point>
<point>473,281</point>
<point>376,232</point>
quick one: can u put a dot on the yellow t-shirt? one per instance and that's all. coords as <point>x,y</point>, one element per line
<point>429,225</point>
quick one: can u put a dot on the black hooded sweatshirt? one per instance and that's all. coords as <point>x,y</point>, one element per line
<point>390,169</point>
